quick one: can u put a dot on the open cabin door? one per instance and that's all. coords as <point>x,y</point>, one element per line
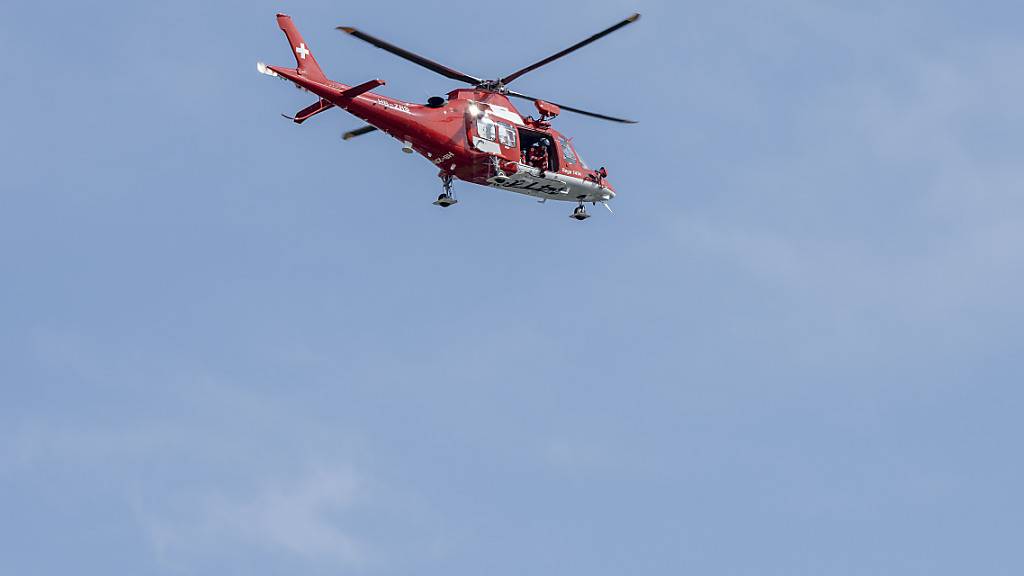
<point>533,141</point>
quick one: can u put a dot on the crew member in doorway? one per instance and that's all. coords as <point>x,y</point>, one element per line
<point>538,156</point>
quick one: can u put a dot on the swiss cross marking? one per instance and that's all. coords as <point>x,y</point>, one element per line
<point>301,50</point>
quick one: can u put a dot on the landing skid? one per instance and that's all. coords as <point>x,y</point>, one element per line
<point>447,198</point>
<point>580,212</point>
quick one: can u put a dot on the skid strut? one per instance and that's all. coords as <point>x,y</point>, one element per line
<point>580,212</point>
<point>447,198</point>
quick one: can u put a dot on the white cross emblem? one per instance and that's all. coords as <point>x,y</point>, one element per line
<point>301,50</point>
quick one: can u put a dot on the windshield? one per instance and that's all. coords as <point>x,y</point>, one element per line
<point>569,153</point>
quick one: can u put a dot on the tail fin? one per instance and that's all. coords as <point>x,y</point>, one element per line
<point>303,57</point>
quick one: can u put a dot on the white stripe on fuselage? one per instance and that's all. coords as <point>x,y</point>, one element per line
<point>504,113</point>
<point>553,185</point>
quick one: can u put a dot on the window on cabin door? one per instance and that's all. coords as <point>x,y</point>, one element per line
<point>506,134</point>
<point>487,129</point>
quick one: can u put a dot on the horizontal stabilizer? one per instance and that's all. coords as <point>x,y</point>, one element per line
<point>362,88</point>
<point>310,111</point>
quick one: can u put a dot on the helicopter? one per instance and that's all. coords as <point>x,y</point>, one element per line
<point>475,134</point>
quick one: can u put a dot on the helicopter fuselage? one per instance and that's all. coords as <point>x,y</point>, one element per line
<point>473,135</point>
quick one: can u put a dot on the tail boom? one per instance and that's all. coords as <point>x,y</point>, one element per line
<point>307,75</point>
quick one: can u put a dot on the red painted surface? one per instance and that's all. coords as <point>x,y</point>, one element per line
<point>442,135</point>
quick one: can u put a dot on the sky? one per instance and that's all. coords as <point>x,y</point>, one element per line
<point>233,345</point>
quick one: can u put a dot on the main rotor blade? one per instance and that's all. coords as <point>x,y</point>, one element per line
<point>576,110</point>
<point>572,48</point>
<point>358,132</point>
<point>415,58</point>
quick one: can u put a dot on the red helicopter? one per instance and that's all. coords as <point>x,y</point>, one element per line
<point>475,134</point>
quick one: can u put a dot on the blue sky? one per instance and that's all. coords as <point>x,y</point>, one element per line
<point>236,346</point>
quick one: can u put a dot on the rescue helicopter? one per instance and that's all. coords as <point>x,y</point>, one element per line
<point>475,134</point>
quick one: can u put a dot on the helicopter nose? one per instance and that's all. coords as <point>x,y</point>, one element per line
<point>609,191</point>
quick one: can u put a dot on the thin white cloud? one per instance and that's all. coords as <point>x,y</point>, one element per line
<point>301,516</point>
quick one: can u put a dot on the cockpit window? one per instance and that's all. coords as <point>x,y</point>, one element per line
<point>486,129</point>
<point>506,134</point>
<point>567,151</point>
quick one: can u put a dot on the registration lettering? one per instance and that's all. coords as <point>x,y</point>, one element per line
<point>447,156</point>
<point>393,105</point>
